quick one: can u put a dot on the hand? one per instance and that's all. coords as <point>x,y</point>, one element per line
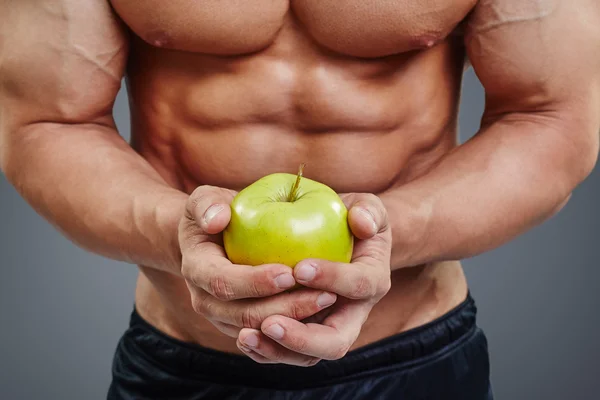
<point>361,284</point>
<point>231,296</point>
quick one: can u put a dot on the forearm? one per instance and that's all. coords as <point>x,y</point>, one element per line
<point>513,175</point>
<point>89,183</point>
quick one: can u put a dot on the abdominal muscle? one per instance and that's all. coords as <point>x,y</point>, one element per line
<point>360,125</point>
<point>418,295</point>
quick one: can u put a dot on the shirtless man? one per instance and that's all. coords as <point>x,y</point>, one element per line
<point>366,92</point>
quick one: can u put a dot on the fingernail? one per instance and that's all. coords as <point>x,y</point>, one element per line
<point>275,331</point>
<point>245,349</point>
<point>251,340</point>
<point>370,217</point>
<point>285,281</point>
<point>212,212</point>
<point>325,299</point>
<point>305,272</point>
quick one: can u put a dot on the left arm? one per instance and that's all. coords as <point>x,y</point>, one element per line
<point>539,63</point>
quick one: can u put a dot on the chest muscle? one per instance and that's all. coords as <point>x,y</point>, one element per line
<point>371,28</point>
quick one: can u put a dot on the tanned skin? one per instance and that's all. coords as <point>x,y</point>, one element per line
<point>365,92</point>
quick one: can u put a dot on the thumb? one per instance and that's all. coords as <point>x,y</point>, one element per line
<point>209,207</point>
<point>367,215</point>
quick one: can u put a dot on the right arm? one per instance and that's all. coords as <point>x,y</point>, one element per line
<point>61,65</point>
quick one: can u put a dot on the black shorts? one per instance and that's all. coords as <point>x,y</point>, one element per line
<point>445,359</point>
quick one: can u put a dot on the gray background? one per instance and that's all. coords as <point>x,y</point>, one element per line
<point>63,310</point>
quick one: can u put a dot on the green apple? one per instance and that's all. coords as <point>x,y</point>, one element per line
<point>285,218</point>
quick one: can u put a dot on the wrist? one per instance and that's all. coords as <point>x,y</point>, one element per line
<point>410,220</point>
<point>167,214</point>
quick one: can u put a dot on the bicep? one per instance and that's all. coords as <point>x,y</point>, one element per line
<point>536,55</point>
<point>61,61</point>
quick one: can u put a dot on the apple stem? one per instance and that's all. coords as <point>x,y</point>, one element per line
<point>294,190</point>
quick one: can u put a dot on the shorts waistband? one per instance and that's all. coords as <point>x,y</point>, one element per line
<point>404,350</point>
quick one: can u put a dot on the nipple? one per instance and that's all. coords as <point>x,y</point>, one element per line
<point>158,38</point>
<point>426,41</point>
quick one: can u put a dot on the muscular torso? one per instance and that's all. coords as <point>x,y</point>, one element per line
<point>365,92</point>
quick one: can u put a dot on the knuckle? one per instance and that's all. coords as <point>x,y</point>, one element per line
<point>220,288</point>
<point>331,274</point>
<point>376,205</point>
<point>371,198</point>
<point>224,328</point>
<point>298,309</point>
<point>311,362</point>
<point>189,273</point>
<point>376,201</point>
<point>202,195</point>
<point>299,344</point>
<point>362,288</point>
<point>186,269</point>
<point>197,305</point>
<point>276,355</point>
<point>384,286</point>
<point>201,306</point>
<point>260,283</point>
<point>255,289</point>
<point>250,317</point>
<point>370,201</point>
<point>339,352</point>
<point>199,193</point>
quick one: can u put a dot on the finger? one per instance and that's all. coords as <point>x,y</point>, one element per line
<point>328,341</point>
<point>298,304</point>
<point>265,351</point>
<point>357,280</point>
<point>255,356</point>
<point>255,341</point>
<point>229,330</point>
<point>319,317</point>
<point>207,268</point>
<point>367,215</point>
<point>209,208</point>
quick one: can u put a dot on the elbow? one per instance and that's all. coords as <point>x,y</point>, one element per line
<point>7,163</point>
<point>13,158</point>
<point>580,149</point>
<point>560,206</point>
<point>583,162</point>
<point>16,144</point>
<point>579,158</point>
<point>586,157</point>
<point>593,155</point>
<point>8,135</point>
<point>12,173</point>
